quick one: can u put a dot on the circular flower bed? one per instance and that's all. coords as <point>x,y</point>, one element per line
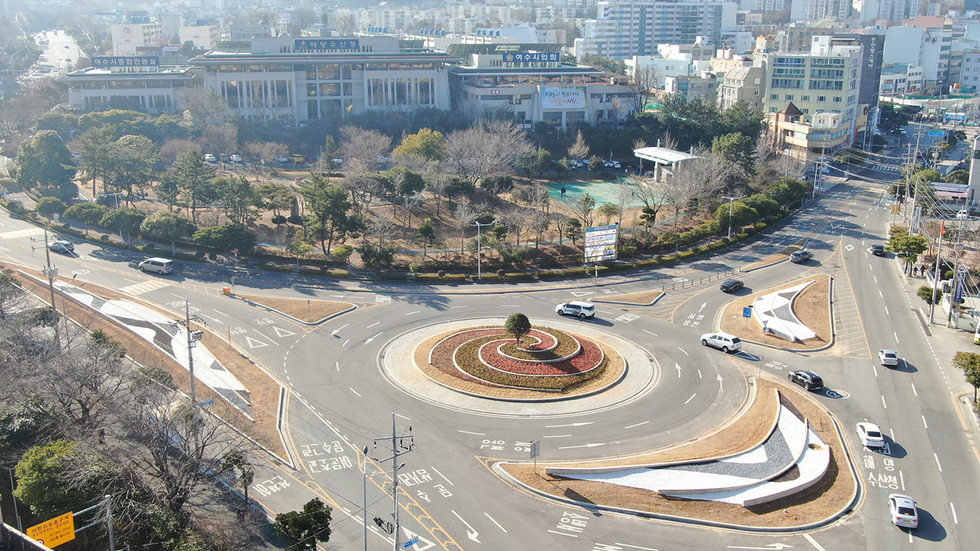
<point>473,355</point>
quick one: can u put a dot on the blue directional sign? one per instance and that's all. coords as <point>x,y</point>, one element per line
<point>747,312</point>
<point>937,132</point>
<point>411,542</point>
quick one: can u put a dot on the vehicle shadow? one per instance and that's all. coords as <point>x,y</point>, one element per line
<point>741,354</point>
<point>904,367</point>
<point>929,528</point>
<point>893,449</point>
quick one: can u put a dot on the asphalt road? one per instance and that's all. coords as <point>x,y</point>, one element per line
<point>341,400</point>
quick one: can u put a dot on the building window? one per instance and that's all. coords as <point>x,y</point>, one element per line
<point>837,99</point>
<point>821,98</point>
<point>789,97</point>
<point>805,98</point>
<point>774,96</point>
<point>756,92</point>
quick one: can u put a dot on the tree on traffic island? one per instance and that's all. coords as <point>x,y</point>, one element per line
<point>905,246</point>
<point>518,325</point>
<point>305,528</point>
<point>969,362</point>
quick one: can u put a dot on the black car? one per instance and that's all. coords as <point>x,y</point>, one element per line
<point>878,250</point>
<point>731,285</point>
<point>806,379</point>
<point>799,257</point>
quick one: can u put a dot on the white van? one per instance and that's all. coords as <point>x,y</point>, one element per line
<point>159,265</point>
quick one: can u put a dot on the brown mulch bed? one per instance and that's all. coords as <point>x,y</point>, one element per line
<point>305,310</point>
<point>774,258</point>
<point>819,502</point>
<point>263,390</point>
<point>642,298</point>
<point>812,306</point>
<point>612,371</point>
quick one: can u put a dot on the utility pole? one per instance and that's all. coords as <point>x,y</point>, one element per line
<point>192,337</point>
<point>731,208</point>
<point>936,271</point>
<point>400,445</point>
<point>479,249</point>
<point>51,272</point>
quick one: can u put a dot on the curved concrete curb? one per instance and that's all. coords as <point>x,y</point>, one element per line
<point>297,320</point>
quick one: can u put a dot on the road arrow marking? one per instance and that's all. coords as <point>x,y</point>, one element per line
<point>589,445</point>
<point>569,425</point>
<point>282,332</point>
<point>721,382</point>
<point>766,548</point>
<point>422,544</point>
<point>677,366</point>
<point>372,338</point>
<point>702,307</point>
<point>577,294</point>
<point>470,532</point>
<point>252,343</point>
<point>337,330</point>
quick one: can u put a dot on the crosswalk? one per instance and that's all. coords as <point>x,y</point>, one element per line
<point>888,168</point>
<point>145,287</point>
<point>16,234</point>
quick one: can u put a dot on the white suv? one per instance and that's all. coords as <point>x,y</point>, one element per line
<point>159,265</point>
<point>576,308</point>
<point>722,341</point>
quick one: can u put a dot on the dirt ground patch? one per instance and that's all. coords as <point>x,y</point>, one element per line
<point>305,310</point>
<point>821,501</point>
<point>263,389</point>
<point>774,258</point>
<point>642,298</point>
<point>615,365</point>
<point>812,307</point>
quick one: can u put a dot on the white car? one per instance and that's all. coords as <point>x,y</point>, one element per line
<point>963,214</point>
<point>576,308</point>
<point>236,158</point>
<point>722,341</point>
<point>210,158</point>
<point>161,266</point>
<point>870,435</point>
<point>888,358</point>
<point>281,159</point>
<point>903,511</point>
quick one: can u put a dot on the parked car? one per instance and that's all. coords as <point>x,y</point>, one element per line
<point>612,164</point>
<point>878,250</point>
<point>903,511</point>
<point>576,308</point>
<point>888,358</point>
<point>963,214</point>
<point>210,158</point>
<point>281,159</point>
<point>806,379</point>
<point>731,285</point>
<point>236,158</point>
<point>160,266</point>
<point>799,257</point>
<point>870,435</point>
<point>63,247</point>
<point>722,341</point>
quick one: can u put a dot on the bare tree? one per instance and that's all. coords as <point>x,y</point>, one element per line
<point>701,176</point>
<point>579,149</point>
<point>362,149</point>
<point>642,82</point>
<point>485,149</point>
<point>518,220</point>
<point>437,182</point>
<point>653,196</point>
<point>383,228</point>
<point>464,215</point>
<point>171,148</point>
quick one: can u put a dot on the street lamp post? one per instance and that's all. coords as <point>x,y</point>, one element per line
<point>479,249</point>
<point>731,208</point>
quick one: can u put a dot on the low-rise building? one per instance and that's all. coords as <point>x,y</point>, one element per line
<point>807,138</point>
<point>129,82</point>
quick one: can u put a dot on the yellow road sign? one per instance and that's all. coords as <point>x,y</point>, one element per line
<point>54,532</point>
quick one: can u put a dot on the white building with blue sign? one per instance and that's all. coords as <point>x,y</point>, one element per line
<point>129,82</point>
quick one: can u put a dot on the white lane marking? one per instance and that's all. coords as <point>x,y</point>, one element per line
<point>636,547</point>
<point>879,294</point>
<point>883,402</point>
<point>691,398</point>
<point>261,335</point>
<point>650,332</point>
<point>368,341</point>
<point>678,367</point>
<point>495,522</point>
<point>557,436</point>
<point>337,330</point>
<point>413,313</point>
<point>220,313</point>
<point>443,476</point>
<point>876,279</point>
<point>452,307</point>
<point>924,424</point>
<point>886,310</point>
<point>896,337</point>
<point>402,416</point>
<point>589,445</point>
<point>510,305</point>
<point>813,542</point>
<point>569,425</point>
<point>953,509</point>
<point>473,433</point>
<point>875,369</point>
<point>338,366</point>
<point>372,325</point>
<point>564,534</point>
<point>900,475</point>
<point>345,343</point>
<point>636,425</point>
<point>937,461</point>
<point>913,390</point>
<point>354,391</point>
<point>684,351</point>
<point>699,374</point>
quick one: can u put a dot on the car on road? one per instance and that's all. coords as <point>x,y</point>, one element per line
<point>722,341</point>
<point>731,285</point>
<point>210,158</point>
<point>612,164</point>
<point>281,159</point>
<point>888,358</point>
<point>878,250</point>
<point>799,257</point>
<point>158,265</point>
<point>576,308</point>
<point>806,379</point>
<point>963,214</point>
<point>63,247</point>
<point>903,511</point>
<point>870,435</point>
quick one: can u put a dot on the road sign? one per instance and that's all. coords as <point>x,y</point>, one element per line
<point>747,312</point>
<point>54,532</point>
<point>411,542</point>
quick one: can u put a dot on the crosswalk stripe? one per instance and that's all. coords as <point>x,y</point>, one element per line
<point>145,287</point>
<point>22,233</point>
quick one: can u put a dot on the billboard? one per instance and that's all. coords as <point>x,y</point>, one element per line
<point>600,243</point>
<point>547,57</point>
<point>110,61</point>
<point>563,97</point>
<point>325,44</point>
